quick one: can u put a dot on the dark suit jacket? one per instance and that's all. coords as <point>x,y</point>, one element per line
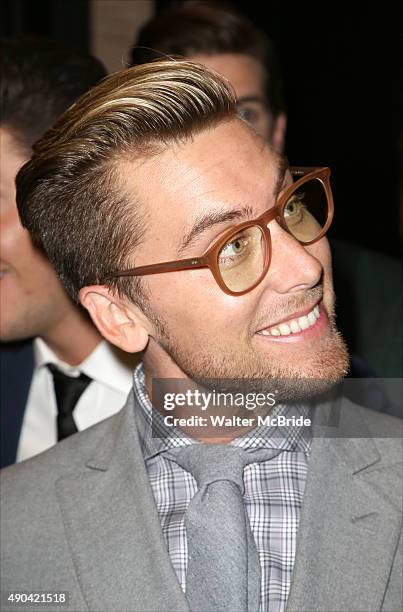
<point>16,369</point>
<point>369,291</point>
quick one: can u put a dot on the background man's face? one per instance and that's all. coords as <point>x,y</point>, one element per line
<point>206,332</point>
<point>31,296</point>
<point>247,77</point>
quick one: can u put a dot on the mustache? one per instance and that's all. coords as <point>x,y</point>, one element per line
<point>286,308</point>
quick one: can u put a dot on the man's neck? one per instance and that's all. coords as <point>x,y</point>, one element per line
<point>73,339</point>
<point>203,427</point>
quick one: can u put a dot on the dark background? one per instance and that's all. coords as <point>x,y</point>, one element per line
<point>340,63</point>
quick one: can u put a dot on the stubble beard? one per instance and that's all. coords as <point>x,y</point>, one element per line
<point>222,370</point>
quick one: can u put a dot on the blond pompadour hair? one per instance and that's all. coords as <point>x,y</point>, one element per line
<point>70,195</point>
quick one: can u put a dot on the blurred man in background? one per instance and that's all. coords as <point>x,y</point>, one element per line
<point>229,44</point>
<point>53,360</point>
<point>368,284</point>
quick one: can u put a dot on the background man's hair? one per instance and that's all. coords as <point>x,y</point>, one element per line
<point>209,28</point>
<point>39,81</point>
<point>72,195</point>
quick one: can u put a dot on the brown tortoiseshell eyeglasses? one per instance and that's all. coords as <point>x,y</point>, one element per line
<point>240,257</point>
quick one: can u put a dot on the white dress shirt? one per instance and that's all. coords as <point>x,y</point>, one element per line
<point>107,393</point>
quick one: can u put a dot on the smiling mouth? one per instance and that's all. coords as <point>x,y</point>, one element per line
<point>293,326</point>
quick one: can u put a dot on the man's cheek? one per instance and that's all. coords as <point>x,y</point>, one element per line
<point>193,302</point>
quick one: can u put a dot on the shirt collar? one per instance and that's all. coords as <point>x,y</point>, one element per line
<point>103,365</point>
<point>155,437</point>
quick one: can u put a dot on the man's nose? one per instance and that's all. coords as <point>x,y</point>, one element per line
<point>10,227</point>
<point>293,267</point>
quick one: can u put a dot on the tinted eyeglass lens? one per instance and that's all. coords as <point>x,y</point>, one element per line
<point>306,211</point>
<point>241,260</point>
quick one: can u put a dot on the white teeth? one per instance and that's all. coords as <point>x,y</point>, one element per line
<point>284,329</point>
<point>294,326</point>
<point>303,322</point>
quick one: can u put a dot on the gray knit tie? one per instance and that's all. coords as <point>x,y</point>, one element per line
<point>223,573</point>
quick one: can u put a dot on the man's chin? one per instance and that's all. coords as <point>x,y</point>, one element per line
<point>290,390</point>
<point>287,390</point>
<point>298,378</point>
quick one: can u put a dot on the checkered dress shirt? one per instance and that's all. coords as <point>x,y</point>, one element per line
<point>273,496</point>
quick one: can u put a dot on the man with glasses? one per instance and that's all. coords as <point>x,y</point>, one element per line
<point>216,35</point>
<point>188,238</point>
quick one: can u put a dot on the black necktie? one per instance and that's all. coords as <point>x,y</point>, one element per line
<point>68,390</point>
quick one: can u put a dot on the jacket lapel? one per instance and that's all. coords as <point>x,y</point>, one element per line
<point>113,528</point>
<point>350,521</point>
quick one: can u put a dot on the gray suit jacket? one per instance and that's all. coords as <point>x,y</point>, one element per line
<point>81,518</point>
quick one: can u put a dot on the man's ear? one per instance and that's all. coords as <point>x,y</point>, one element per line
<point>278,137</point>
<point>121,323</point>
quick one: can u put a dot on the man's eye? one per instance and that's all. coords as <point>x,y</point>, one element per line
<point>295,207</point>
<point>235,251</point>
<point>235,247</point>
<point>248,114</point>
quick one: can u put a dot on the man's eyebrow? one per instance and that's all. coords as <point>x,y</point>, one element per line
<point>214,217</point>
<point>246,99</point>
<point>210,219</point>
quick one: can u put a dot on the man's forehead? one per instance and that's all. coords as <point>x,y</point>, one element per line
<point>243,71</point>
<point>227,166</point>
